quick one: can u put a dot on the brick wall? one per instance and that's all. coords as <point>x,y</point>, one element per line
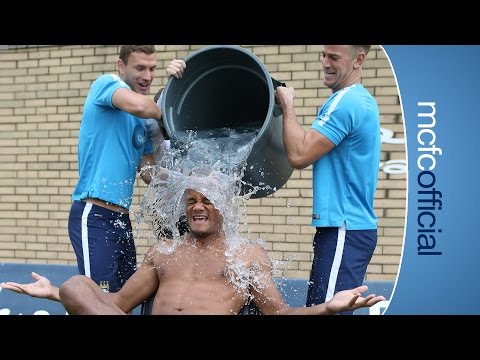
<point>42,90</point>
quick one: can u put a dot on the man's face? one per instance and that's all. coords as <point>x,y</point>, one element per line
<point>338,65</point>
<point>203,218</point>
<point>139,71</point>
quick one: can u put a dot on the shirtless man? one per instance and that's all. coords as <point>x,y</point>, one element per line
<point>192,277</point>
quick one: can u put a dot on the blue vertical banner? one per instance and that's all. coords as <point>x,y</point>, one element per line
<point>440,267</point>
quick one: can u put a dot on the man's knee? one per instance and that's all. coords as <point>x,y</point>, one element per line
<point>71,291</point>
<point>73,284</point>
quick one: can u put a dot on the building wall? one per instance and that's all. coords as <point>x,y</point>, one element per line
<point>42,90</point>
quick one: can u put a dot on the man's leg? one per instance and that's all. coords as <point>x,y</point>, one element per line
<point>358,251</point>
<point>75,230</point>
<point>340,262</point>
<point>82,296</point>
<point>103,243</point>
<point>324,246</point>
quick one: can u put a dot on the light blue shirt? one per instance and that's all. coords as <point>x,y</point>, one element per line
<point>111,143</point>
<point>345,179</point>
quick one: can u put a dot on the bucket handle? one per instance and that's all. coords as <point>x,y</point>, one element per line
<point>277,83</point>
<point>277,110</point>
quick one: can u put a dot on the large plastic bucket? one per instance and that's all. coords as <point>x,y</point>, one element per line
<point>227,86</point>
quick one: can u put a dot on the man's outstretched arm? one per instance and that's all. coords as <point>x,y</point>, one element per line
<point>42,288</point>
<point>347,300</point>
<point>269,300</point>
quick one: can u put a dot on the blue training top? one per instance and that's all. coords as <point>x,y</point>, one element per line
<point>345,179</point>
<point>111,143</point>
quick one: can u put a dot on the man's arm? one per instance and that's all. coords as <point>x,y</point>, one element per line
<point>42,288</point>
<point>346,300</point>
<point>141,285</point>
<point>140,105</point>
<point>266,296</point>
<point>269,300</point>
<point>145,167</point>
<point>176,69</point>
<point>147,171</point>
<point>81,295</point>
<point>136,104</point>
<point>302,148</point>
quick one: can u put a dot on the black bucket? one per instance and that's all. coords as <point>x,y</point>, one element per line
<point>228,87</point>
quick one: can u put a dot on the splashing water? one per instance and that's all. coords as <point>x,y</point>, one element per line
<point>224,149</point>
<point>223,152</point>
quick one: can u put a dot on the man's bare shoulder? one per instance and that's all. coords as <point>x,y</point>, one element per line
<point>251,250</point>
<point>163,246</point>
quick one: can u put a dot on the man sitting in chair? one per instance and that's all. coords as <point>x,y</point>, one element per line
<point>199,273</point>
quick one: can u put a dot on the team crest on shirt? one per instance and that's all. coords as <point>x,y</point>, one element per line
<point>138,139</point>
<point>105,286</point>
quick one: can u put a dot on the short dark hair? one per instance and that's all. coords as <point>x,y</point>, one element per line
<point>364,48</point>
<point>127,50</point>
